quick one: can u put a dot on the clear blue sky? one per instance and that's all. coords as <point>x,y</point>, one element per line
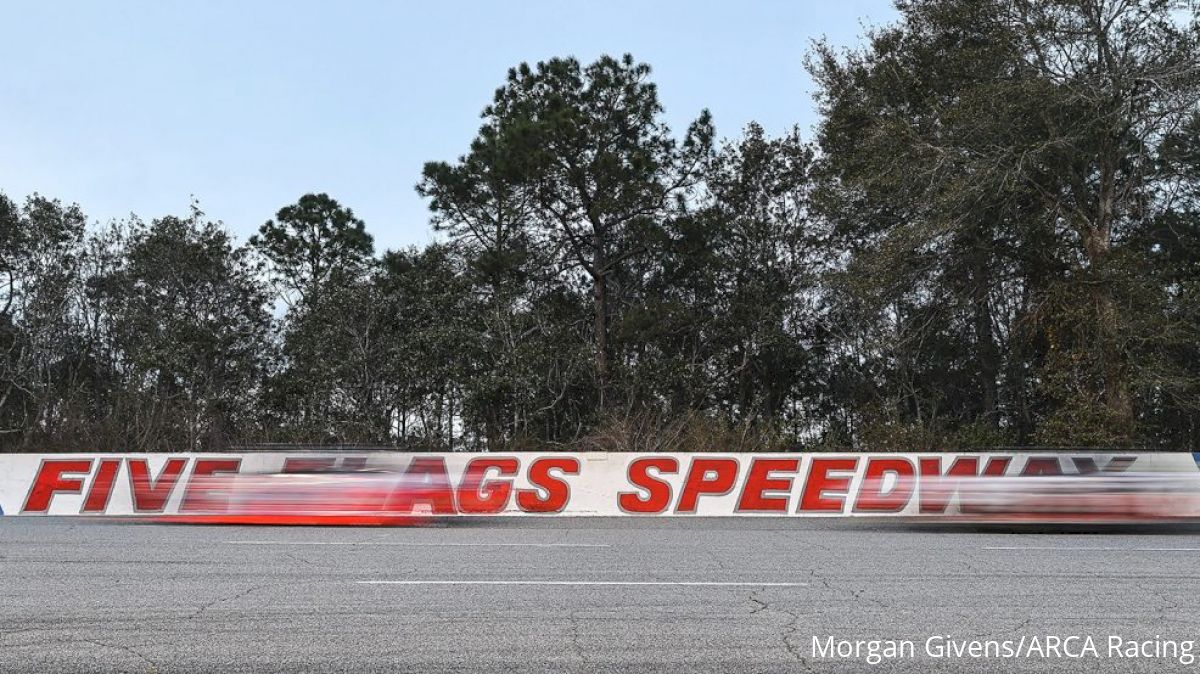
<point>135,106</point>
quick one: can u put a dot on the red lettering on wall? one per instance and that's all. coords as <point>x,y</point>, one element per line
<point>706,477</point>
<point>478,495</point>
<point>937,491</point>
<point>1041,465</point>
<point>198,495</point>
<point>557,491</point>
<point>427,482</point>
<point>873,499</point>
<point>760,483</point>
<point>151,495</point>
<point>102,484</point>
<point>308,464</point>
<point>658,492</point>
<point>56,476</point>
<point>820,481</point>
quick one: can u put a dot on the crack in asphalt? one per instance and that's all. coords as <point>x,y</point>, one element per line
<point>789,629</point>
<point>857,595</point>
<point>860,594</point>
<point>1169,604</point>
<point>997,635</point>
<point>23,630</point>
<point>223,600</point>
<point>153,665</point>
<point>760,605</point>
<point>580,652</point>
<point>298,559</point>
<point>720,564</point>
<point>1019,626</point>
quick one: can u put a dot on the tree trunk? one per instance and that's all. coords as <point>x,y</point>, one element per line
<point>985,338</point>
<point>1113,372</point>
<point>1116,384</point>
<point>600,297</point>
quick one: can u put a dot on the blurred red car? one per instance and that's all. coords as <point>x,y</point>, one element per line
<point>329,497</point>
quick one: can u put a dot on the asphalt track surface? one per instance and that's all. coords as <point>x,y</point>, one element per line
<point>582,594</point>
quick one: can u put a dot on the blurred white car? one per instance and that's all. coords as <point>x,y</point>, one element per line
<point>1092,497</point>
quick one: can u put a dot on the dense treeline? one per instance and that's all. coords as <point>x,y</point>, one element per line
<point>993,240</point>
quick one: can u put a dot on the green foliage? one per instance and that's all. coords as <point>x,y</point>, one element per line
<point>993,241</point>
<point>312,242</point>
<point>42,360</point>
<point>600,170</point>
<point>189,327</point>
<point>986,165</point>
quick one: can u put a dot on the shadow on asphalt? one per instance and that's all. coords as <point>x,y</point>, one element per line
<point>830,523</point>
<point>720,523</point>
<point>1122,529</point>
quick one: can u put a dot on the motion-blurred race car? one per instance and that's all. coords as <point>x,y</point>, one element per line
<point>360,497</point>
<point>1094,497</point>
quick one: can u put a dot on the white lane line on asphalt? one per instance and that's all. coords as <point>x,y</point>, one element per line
<point>579,582</point>
<point>427,545</point>
<point>1089,549</point>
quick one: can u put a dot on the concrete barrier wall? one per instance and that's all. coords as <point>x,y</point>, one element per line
<point>578,484</point>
